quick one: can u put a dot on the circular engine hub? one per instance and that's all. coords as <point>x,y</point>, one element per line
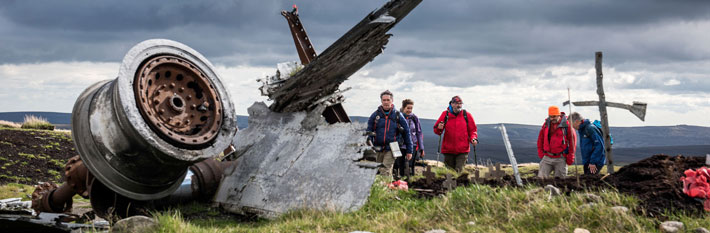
<point>178,101</point>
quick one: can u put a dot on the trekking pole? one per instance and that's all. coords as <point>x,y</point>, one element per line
<point>475,157</point>
<point>576,172</point>
<point>438,148</point>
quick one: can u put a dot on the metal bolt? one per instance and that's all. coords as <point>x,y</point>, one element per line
<point>181,89</point>
<point>156,101</point>
<point>161,111</point>
<point>189,97</point>
<point>172,85</point>
<point>193,107</point>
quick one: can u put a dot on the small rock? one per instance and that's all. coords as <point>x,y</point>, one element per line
<point>581,230</point>
<point>554,191</point>
<point>592,197</point>
<point>471,223</point>
<point>621,209</point>
<point>135,224</point>
<point>436,231</point>
<point>701,230</point>
<point>671,226</point>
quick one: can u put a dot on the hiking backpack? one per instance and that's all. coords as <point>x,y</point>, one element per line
<point>598,127</point>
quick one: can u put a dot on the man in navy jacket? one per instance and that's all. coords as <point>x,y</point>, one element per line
<point>591,143</point>
<point>389,125</point>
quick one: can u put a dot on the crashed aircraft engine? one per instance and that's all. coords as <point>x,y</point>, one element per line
<point>168,109</point>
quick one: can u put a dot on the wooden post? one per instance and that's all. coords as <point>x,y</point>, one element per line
<point>602,112</point>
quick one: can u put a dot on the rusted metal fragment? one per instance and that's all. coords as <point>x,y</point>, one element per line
<point>288,161</point>
<point>323,76</point>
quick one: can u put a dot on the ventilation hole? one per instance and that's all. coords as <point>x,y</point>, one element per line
<point>167,74</point>
<point>182,139</point>
<point>203,118</point>
<point>171,134</point>
<point>157,76</point>
<point>194,140</point>
<point>150,81</point>
<point>177,102</point>
<point>179,77</point>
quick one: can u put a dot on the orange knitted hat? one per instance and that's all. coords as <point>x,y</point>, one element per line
<point>553,111</point>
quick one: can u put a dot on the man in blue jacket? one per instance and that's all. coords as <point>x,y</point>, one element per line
<point>389,125</point>
<point>591,143</point>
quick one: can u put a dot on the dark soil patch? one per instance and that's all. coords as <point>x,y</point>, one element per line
<point>31,156</point>
<point>655,181</point>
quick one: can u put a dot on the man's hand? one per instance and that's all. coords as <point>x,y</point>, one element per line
<point>474,142</point>
<point>423,153</point>
<point>409,156</point>
<point>441,125</point>
<point>593,168</point>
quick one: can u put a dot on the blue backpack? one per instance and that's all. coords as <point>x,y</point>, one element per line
<point>598,127</point>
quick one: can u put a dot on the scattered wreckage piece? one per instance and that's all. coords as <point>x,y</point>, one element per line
<point>199,184</point>
<point>167,108</point>
<point>287,161</point>
<point>322,76</point>
<point>17,216</point>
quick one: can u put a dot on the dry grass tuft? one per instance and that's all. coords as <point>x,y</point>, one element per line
<point>9,124</point>
<point>35,122</point>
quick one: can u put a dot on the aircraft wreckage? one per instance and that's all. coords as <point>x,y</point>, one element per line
<point>151,136</point>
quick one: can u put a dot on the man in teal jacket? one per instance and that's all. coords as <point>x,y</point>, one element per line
<point>591,143</point>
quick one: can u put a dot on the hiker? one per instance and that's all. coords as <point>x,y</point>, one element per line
<point>459,129</point>
<point>415,130</point>
<point>388,125</point>
<point>591,142</point>
<point>555,144</point>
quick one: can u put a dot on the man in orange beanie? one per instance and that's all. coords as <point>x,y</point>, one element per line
<point>556,144</point>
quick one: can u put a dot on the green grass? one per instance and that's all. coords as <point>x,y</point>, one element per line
<point>16,190</point>
<point>489,209</point>
<point>26,155</point>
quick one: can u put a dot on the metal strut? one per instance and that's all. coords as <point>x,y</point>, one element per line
<point>334,113</point>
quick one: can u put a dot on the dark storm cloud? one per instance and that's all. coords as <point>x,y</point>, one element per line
<point>455,42</point>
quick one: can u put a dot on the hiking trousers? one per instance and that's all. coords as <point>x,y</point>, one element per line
<point>547,165</point>
<point>387,160</point>
<point>455,161</point>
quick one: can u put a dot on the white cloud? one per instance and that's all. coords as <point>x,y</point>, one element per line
<point>55,86</point>
<point>671,82</point>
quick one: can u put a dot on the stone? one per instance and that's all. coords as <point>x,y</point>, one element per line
<point>671,226</point>
<point>621,209</point>
<point>435,231</point>
<point>581,230</point>
<point>135,224</point>
<point>591,197</point>
<point>471,223</point>
<point>701,230</point>
<point>554,191</point>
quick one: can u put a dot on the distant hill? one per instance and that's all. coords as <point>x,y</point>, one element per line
<point>630,143</point>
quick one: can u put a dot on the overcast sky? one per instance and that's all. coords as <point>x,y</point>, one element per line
<point>508,60</point>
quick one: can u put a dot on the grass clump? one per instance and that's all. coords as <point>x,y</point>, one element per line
<point>9,124</point>
<point>16,190</point>
<point>35,122</point>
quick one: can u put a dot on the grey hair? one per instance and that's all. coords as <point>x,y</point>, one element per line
<point>575,116</point>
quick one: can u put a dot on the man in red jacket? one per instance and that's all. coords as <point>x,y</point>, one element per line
<point>459,130</point>
<point>556,144</point>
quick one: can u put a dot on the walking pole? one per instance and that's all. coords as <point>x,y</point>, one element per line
<point>576,172</point>
<point>475,157</point>
<point>438,148</point>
